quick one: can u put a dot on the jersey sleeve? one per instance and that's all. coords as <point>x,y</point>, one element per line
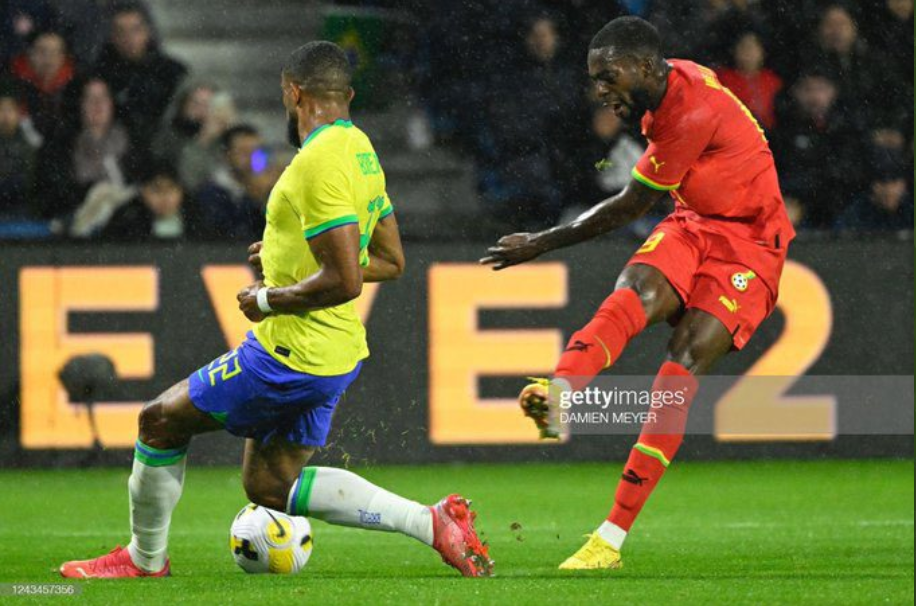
<point>674,148</point>
<point>387,207</point>
<point>326,201</point>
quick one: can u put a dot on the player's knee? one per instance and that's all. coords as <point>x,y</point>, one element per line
<point>157,429</point>
<point>266,494</point>
<point>651,292</point>
<point>689,353</point>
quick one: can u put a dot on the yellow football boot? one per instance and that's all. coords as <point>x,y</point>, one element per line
<point>596,554</point>
<point>535,402</point>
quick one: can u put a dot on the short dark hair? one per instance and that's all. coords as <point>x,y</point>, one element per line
<point>155,170</point>
<point>629,36</point>
<point>321,68</point>
<point>240,130</point>
<point>121,7</point>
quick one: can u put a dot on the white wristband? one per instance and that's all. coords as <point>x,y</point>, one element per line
<point>263,305</point>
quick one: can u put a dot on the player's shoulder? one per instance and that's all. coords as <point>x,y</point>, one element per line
<point>687,102</point>
<point>334,145</point>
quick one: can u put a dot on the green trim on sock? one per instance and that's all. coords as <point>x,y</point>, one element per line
<point>655,453</point>
<point>304,491</point>
<point>157,457</point>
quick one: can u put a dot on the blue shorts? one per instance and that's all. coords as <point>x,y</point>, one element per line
<point>255,396</point>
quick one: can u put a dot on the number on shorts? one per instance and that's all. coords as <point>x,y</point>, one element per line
<point>225,367</point>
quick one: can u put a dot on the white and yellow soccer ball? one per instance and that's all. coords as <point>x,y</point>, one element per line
<point>266,541</point>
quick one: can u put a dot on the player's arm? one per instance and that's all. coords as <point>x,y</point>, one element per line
<point>672,151</point>
<point>608,215</point>
<point>339,279</point>
<point>386,256</point>
<point>254,257</point>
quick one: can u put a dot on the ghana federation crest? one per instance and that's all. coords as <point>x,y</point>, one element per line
<point>741,280</point>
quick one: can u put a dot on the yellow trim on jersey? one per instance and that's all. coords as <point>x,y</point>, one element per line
<point>650,183</point>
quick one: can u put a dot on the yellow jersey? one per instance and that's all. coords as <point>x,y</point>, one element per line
<point>334,180</point>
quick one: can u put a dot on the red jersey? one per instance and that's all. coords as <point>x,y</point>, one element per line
<point>706,148</point>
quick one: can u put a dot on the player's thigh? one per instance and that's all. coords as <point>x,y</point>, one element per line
<point>737,296</point>
<point>661,271</point>
<point>700,339</point>
<point>170,420</point>
<point>270,468</point>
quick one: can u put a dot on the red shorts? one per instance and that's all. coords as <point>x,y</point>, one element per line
<point>731,278</point>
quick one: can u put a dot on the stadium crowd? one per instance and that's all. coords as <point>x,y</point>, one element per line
<point>831,82</point>
<point>104,135</point>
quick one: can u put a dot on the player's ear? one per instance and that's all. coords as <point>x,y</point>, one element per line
<point>648,67</point>
<point>352,94</point>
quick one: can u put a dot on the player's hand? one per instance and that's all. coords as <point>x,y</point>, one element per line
<point>254,257</point>
<point>512,250</point>
<point>248,301</point>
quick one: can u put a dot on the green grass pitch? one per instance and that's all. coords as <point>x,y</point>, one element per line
<point>831,532</point>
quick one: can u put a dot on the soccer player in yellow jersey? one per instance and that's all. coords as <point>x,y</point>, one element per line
<point>330,227</point>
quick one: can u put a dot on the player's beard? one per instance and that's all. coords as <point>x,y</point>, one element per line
<point>292,130</point>
<point>639,106</point>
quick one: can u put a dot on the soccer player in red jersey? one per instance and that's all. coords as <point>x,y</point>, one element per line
<point>711,268</point>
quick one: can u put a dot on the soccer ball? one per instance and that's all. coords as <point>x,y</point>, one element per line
<point>263,540</point>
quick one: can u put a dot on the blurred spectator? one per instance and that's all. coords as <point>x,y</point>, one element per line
<point>200,155</point>
<point>43,72</point>
<point>141,77</point>
<point>457,54</point>
<point>847,60</point>
<point>100,148</point>
<point>84,24</point>
<point>528,130</point>
<point>183,121</point>
<point>888,205</point>
<point>890,30</point>
<point>602,164</point>
<point>232,202</point>
<point>97,150</point>
<point>17,163</point>
<point>606,159</point>
<point>817,152</point>
<point>751,81</point>
<point>159,212</point>
<point>20,19</point>
<point>704,30</point>
<point>583,18</point>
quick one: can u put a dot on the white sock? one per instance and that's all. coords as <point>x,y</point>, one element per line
<point>155,487</point>
<point>339,497</point>
<point>613,534</point>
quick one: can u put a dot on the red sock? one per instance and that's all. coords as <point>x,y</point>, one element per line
<point>601,341</point>
<point>658,442</point>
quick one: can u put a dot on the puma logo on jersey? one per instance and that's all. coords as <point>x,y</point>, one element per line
<point>730,304</point>
<point>741,280</point>
<point>656,163</point>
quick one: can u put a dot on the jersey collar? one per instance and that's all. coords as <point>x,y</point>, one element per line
<point>314,133</point>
